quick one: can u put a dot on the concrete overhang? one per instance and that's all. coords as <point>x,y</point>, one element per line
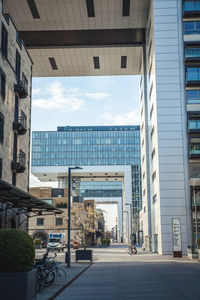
<point>88,173</point>
<point>63,37</point>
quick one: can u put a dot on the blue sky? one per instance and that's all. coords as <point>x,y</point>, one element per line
<point>85,101</point>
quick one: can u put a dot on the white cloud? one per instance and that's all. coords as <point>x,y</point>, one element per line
<point>128,118</point>
<point>97,95</point>
<point>60,98</point>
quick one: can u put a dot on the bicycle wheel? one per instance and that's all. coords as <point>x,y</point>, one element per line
<point>40,281</point>
<point>60,275</point>
<point>49,275</point>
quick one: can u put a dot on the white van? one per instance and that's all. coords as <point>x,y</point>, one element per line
<point>56,242</point>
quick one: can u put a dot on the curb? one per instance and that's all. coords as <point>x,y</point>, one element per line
<point>68,283</point>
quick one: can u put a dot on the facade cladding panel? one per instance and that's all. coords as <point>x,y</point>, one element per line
<point>93,146</point>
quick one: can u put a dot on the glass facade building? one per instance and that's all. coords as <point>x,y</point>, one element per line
<point>93,146</point>
<point>87,146</point>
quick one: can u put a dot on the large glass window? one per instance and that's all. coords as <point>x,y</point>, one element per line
<point>192,74</point>
<point>191,5</point>
<point>191,27</point>
<point>192,52</point>
<point>194,124</point>
<point>193,96</point>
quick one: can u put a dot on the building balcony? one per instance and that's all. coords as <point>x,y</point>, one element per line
<point>19,165</point>
<point>21,124</point>
<point>21,88</point>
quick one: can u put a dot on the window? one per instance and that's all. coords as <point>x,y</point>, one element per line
<point>193,96</point>
<point>153,153</point>
<point>191,5</point>
<point>151,112</point>
<point>192,52</point>
<point>59,221</point>
<point>18,65</point>
<point>144,192</point>
<point>153,176</point>
<point>154,198</point>
<point>192,74</point>
<point>1,128</point>
<point>152,132</point>
<point>191,27</point>
<point>4,41</point>
<point>1,167</point>
<point>40,221</point>
<point>2,84</point>
<point>143,175</point>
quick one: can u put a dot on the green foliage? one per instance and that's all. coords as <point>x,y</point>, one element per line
<point>17,252</point>
<point>105,242</point>
<point>38,242</point>
<point>61,205</point>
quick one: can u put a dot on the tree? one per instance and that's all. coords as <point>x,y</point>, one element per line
<point>85,221</point>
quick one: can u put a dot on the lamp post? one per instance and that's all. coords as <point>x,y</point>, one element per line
<point>131,214</point>
<point>69,214</point>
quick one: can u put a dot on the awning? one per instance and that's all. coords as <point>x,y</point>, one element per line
<point>14,197</point>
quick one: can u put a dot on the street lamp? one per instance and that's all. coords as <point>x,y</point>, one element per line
<point>69,213</point>
<point>131,219</point>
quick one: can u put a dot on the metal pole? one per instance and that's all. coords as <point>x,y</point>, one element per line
<point>69,217</point>
<point>196,219</point>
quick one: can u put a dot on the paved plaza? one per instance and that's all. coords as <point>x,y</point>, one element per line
<point>117,275</point>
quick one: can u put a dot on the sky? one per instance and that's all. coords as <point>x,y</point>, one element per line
<point>84,101</point>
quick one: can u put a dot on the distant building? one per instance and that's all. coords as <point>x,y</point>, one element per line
<point>110,158</point>
<point>41,226</point>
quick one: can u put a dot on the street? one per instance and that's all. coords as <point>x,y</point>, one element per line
<point>117,275</point>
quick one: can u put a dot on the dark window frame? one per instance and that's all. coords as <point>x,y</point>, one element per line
<point>4,40</point>
<point>59,221</point>
<point>2,84</point>
<point>1,128</point>
<point>40,222</point>
<point>1,167</point>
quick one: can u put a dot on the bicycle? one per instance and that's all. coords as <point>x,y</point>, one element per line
<point>60,274</point>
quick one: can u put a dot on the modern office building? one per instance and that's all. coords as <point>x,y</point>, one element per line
<point>159,40</point>
<point>109,156</point>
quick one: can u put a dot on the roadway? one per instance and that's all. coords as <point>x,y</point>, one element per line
<point>117,275</point>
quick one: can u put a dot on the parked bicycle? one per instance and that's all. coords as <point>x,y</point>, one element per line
<point>48,272</point>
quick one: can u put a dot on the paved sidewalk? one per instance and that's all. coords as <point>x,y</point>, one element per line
<point>73,271</point>
<point>116,275</point>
